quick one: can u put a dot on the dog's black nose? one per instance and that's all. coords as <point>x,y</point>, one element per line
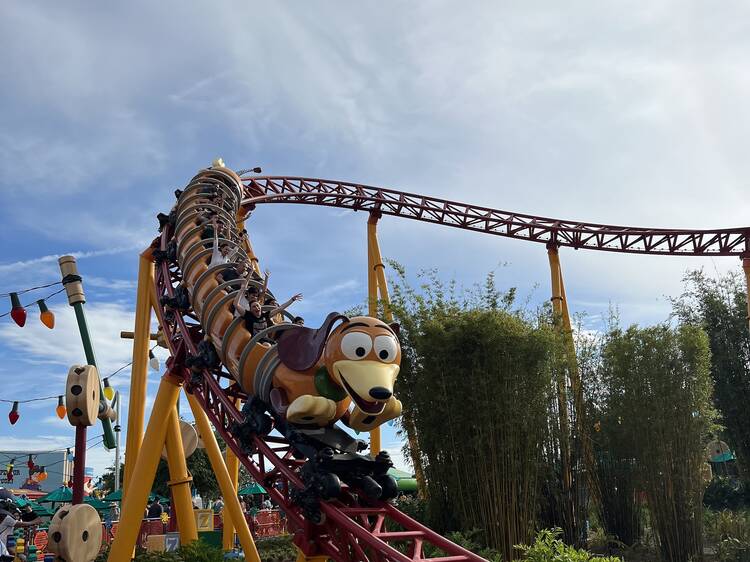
<point>380,393</point>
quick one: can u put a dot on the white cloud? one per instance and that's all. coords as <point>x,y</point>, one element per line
<point>60,348</point>
<point>34,262</point>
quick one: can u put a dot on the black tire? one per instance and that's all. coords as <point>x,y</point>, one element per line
<point>328,486</point>
<point>389,486</point>
<point>371,488</point>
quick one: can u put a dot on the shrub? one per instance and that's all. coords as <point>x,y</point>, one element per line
<point>547,547</point>
<point>726,493</point>
<point>277,549</point>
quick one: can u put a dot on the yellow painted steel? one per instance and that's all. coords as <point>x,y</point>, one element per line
<point>142,475</point>
<point>231,502</point>
<point>302,558</point>
<point>379,268</point>
<point>746,268</point>
<point>559,310</point>
<point>233,467</point>
<point>139,370</point>
<point>179,480</point>
<point>248,246</point>
<point>373,258</point>
<point>562,315</point>
<point>372,280</point>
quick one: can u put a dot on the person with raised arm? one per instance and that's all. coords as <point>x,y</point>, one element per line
<point>221,252</point>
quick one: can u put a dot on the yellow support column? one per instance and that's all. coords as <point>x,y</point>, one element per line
<point>179,481</point>
<point>376,282</point>
<point>302,558</point>
<point>231,503</point>
<point>139,370</point>
<point>562,396</point>
<point>233,467</point>
<point>373,259</point>
<point>142,475</point>
<point>378,267</point>
<point>372,280</point>
<point>248,245</point>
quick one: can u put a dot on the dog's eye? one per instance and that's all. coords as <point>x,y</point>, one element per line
<point>386,348</point>
<point>356,345</point>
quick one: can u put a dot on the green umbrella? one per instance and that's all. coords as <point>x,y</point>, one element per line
<point>399,474</point>
<point>41,510</point>
<point>253,489</point>
<point>115,496</point>
<point>61,495</point>
<point>98,505</point>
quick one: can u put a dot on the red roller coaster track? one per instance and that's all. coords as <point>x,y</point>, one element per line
<point>579,235</point>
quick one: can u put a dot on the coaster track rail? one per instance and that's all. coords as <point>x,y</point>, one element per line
<point>555,232</point>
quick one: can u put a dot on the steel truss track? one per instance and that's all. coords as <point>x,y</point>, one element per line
<point>579,235</point>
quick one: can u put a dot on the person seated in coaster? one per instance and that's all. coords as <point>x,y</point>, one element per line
<point>239,270</point>
<point>255,319</point>
<point>248,294</point>
<point>222,253</point>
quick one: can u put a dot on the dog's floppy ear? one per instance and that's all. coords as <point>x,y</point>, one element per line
<point>300,348</point>
<point>396,327</point>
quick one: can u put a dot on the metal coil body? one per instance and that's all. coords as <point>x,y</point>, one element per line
<point>216,194</point>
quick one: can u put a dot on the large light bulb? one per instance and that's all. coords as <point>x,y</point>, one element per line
<point>153,360</point>
<point>61,410</point>
<point>109,392</point>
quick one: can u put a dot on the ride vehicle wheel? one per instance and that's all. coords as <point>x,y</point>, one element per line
<point>371,488</point>
<point>327,486</point>
<point>389,485</point>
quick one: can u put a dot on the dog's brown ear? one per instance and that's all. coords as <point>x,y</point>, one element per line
<point>396,327</point>
<point>300,347</point>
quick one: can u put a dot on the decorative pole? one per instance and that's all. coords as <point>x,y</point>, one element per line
<point>76,298</point>
<point>117,440</point>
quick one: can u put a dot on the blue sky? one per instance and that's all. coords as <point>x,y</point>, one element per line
<point>634,113</point>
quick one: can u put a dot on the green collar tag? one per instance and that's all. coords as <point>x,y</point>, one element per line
<point>326,387</point>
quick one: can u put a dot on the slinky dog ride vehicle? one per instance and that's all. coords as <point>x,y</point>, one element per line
<point>299,380</point>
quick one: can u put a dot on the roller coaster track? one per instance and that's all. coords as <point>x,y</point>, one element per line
<point>556,232</point>
<point>354,528</point>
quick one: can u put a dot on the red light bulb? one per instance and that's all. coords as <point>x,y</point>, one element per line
<point>17,311</point>
<point>14,415</point>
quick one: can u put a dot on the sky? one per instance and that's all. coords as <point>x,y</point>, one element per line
<point>626,113</point>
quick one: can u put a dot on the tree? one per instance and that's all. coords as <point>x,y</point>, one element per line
<point>655,419</point>
<point>476,380</point>
<point>199,467</point>
<point>108,478</point>
<point>720,306</point>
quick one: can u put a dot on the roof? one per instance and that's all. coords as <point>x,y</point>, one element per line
<point>253,489</point>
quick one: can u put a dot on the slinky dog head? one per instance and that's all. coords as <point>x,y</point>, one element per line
<point>361,354</point>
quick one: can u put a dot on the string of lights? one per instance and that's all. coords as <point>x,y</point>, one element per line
<point>6,456</point>
<point>60,410</point>
<point>24,291</point>
<point>39,473</point>
<point>18,311</point>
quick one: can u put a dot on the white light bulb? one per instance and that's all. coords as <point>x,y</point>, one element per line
<point>153,360</point>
